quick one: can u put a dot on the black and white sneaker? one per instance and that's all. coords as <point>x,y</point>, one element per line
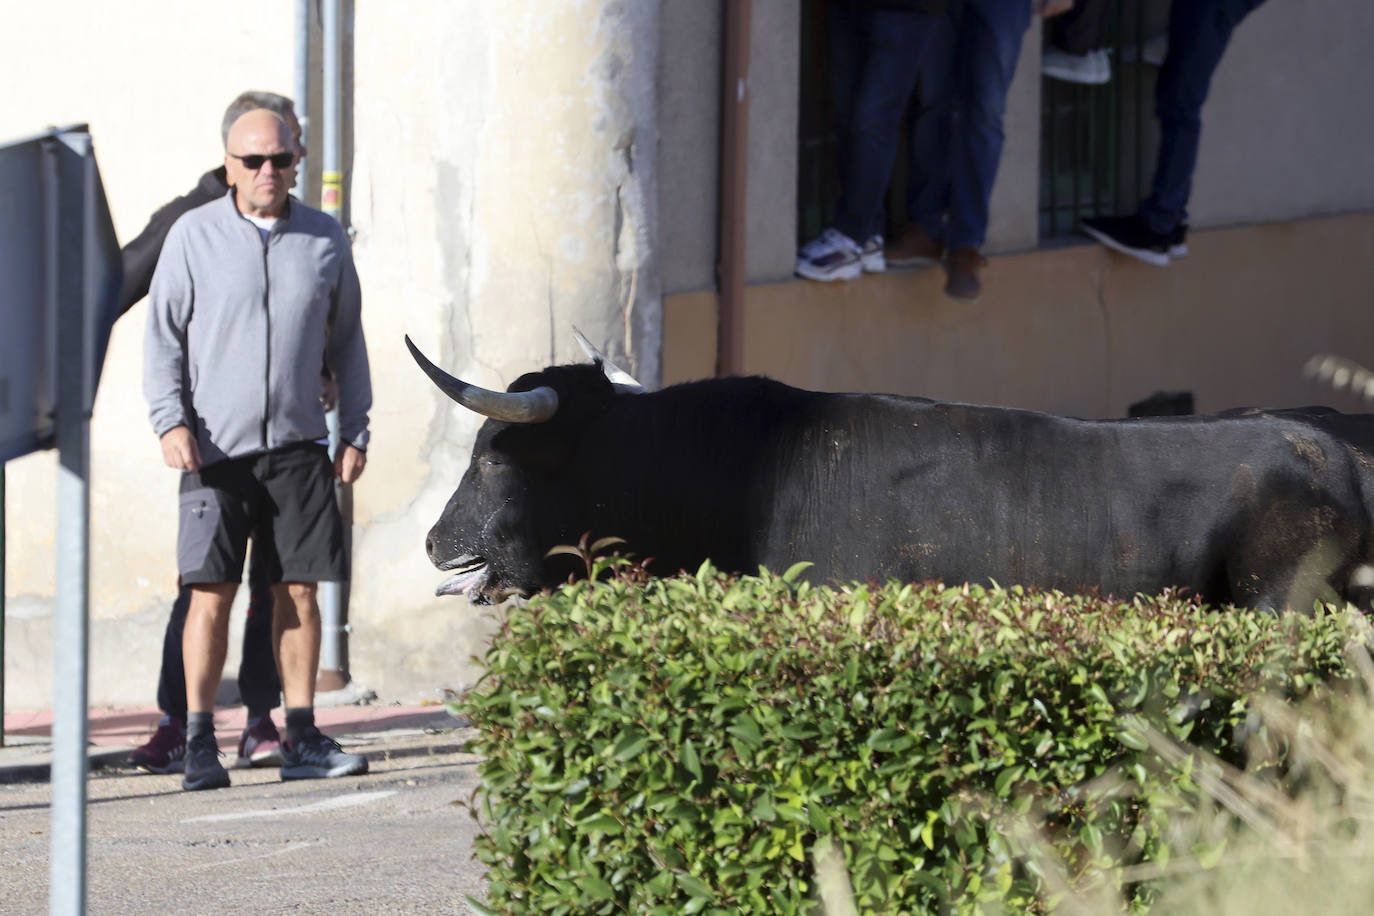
<point>871,255</point>
<point>203,769</point>
<point>319,757</point>
<point>1129,235</point>
<point>1178,241</point>
<point>832,255</point>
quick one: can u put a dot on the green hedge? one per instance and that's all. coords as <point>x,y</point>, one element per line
<point>681,745</point>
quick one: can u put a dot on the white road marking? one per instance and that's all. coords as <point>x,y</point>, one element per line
<point>352,800</point>
<point>287,850</point>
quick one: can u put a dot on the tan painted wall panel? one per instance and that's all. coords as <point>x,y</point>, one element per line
<point>1077,330</point>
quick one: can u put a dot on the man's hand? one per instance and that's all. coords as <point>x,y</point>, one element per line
<point>1048,8</point>
<point>179,449</point>
<point>348,467</point>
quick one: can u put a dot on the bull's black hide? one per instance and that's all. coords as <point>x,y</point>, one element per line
<point>1259,508</point>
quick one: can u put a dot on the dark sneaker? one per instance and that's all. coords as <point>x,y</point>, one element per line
<point>832,255</point>
<point>1129,235</point>
<point>962,267</point>
<point>914,248</point>
<point>203,769</point>
<point>260,745</point>
<point>165,752</point>
<point>871,255</point>
<point>1178,241</point>
<point>319,757</point>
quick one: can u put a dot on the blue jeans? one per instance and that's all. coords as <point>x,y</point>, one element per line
<point>874,57</point>
<point>1199,31</point>
<point>957,138</point>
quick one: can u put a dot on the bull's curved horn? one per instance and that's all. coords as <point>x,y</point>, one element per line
<point>535,406</point>
<point>622,380</point>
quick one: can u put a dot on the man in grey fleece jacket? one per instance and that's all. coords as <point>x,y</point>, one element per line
<point>251,291</point>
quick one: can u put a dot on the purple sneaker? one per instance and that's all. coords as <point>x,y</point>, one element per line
<point>165,752</point>
<point>260,745</point>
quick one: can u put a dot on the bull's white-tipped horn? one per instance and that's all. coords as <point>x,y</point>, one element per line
<point>618,376</point>
<point>535,406</point>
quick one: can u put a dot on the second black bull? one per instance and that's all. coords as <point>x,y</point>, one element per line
<point>1258,508</point>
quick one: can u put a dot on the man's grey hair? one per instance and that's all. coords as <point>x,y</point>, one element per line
<point>252,100</point>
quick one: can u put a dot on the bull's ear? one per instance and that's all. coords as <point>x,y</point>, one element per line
<point>623,381</point>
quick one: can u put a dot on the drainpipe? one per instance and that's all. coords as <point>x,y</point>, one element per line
<point>302,94</point>
<point>333,670</point>
<point>734,183</point>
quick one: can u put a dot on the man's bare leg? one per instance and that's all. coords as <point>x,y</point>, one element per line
<point>204,642</point>
<point>307,754</point>
<point>296,639</point>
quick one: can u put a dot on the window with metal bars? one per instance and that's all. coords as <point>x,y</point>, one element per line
<point>1097,142</point>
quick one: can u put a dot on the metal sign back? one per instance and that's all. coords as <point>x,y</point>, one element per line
<point>36,241</point>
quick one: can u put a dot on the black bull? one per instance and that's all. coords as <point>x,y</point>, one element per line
<point>1258,508</point>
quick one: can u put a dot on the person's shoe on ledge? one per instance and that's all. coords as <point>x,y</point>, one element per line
<point>914,247</point>
<point>962,267</point>
<point>165,751</point>
<point>832,255</point>
<point>1129,235</point>
<point>1091,69</point>
<point>871,255</point>
<point>1178,241</point>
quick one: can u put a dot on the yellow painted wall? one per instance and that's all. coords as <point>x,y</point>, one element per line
<point>1077,330</point>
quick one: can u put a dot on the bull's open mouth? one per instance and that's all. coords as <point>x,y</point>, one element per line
<point>471,574</point>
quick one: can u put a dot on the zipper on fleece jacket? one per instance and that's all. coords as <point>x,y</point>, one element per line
<point>267,317</point>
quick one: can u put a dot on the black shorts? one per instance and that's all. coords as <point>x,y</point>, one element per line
<point>282,499</point>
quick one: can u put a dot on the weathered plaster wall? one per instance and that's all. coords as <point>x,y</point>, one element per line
<point>503,192</point>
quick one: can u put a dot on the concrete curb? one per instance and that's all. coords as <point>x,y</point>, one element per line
<point>380,730</point>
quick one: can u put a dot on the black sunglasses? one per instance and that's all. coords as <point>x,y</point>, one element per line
<point>254,162</point>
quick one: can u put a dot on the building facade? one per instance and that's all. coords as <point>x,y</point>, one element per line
<point>512,170</point>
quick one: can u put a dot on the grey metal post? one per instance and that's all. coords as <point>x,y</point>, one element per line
<point>333,672</point>
<point>302,99</point>
<point>69,204</point>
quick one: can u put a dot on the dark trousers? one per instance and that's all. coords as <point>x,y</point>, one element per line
<point>874,58</point>
<point>1083,28</point>
<point>259,684</point>
<point>957,137</point>
<point>1199,31</point>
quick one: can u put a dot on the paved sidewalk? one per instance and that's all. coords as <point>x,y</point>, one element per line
<point>27,753</point>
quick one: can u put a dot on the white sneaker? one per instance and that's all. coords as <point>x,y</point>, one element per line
<point>1091,69</point>
<point>832,255</point>
<point>871,255</point>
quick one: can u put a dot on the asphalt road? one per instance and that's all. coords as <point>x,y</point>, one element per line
<point>396,840</point>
